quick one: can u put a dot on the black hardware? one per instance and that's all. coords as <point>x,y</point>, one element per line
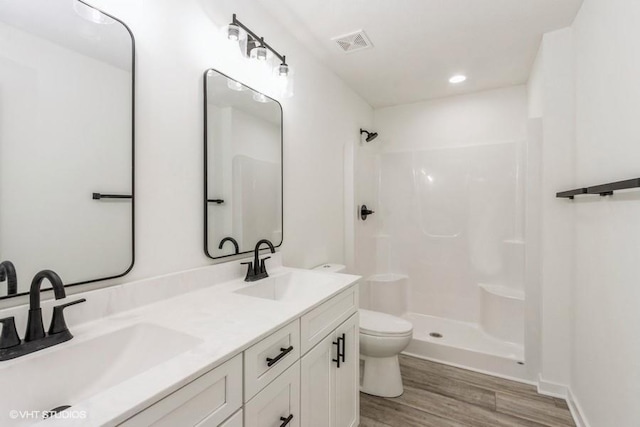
<point>9,337</point>
<point>256,40</point>
<point>232,240</point>
<point>370,135</point>
<point>35,338</point>
<point>339,355</point>
<point>572,193</point>
<point>35,327</point>
<point>58,324</point>
<point>286,420</point>
<point>257,270</point>
<point>217,201</point>
<point>98,196</point>
<point>344,347</point>
<point>206,100</point>
<point>603,190</point>
<point>8,273</point>
<point>364,212</point>
<point>283,353</point>
<point>249,264</point>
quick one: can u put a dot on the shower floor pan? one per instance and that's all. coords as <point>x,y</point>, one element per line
<point>465,345</point>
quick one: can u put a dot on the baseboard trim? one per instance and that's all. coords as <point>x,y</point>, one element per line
<point>549,388</point>
<point>576,411</point>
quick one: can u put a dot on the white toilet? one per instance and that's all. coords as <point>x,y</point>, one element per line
<point>382,338</point>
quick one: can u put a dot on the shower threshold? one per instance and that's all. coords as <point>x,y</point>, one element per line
<point>465,345</point>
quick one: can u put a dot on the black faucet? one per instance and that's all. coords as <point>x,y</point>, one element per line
<point>35,338</point>
<point>257,270</point>
<point>8,273</point>
<point>232,240</point>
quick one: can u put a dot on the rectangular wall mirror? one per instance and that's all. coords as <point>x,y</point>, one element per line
<point>66,142</point>
<point>243,167</point>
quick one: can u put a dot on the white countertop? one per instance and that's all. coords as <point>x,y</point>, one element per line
<point>225,322</point>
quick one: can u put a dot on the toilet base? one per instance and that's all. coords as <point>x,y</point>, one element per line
<point>381,376</point>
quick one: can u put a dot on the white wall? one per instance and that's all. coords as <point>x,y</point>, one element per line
<point>176,42</point>
<point>590,294</point>
<point>606,357</point>
<point>552,88</point>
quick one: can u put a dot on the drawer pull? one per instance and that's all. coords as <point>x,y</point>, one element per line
<point>284,352</point>
<point>286,421</point>
<point>338,355</point>
<point>344,347</point>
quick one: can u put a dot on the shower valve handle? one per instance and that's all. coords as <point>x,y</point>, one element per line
<point>364,212</point>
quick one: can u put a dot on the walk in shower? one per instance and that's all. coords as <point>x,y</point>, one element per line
<point>445,248</point>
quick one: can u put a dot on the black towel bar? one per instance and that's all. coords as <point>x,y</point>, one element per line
<point>603,190</point>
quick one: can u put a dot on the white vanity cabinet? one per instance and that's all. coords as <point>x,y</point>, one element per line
<point>205,402</point>
<point>305,374</point>
<point>329,379</point>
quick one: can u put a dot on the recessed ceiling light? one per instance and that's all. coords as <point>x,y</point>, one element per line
<point>458,78</point>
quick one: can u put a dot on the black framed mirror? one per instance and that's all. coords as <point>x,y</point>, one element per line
<point>67,77</point>
<point>242,167</point>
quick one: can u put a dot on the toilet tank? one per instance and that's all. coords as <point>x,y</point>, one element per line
<point>331,268</point>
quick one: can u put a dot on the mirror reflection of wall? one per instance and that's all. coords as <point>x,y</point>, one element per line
<point>244,166</point>
<point>66,132</point>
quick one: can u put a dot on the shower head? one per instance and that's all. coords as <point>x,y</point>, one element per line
<point>370,135</point>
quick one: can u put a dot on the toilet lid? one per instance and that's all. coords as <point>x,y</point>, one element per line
<point>382,324</point>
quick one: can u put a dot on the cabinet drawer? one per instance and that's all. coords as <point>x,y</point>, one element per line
<point>320,321</point>
<point>278,402</point>
<point>282,348</point>
<point>204,402</point>
<point>235,420</point>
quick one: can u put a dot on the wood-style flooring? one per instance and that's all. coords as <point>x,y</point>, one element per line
<point>437,395</point>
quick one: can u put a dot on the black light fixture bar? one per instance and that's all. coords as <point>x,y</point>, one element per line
<point>603,189</point>
<point>260,39</point>
<point>98,196</point>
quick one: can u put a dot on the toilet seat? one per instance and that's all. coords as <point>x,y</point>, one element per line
<point>378,324</point>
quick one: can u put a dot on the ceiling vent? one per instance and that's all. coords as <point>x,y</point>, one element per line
<point>353,42</point>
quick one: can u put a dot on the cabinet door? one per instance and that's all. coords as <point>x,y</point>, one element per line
<point>346,391</point>
<point>278,403</point>
<point>207,401</point>
<point>317,379</point>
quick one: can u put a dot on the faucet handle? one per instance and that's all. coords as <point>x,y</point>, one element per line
<point>9,337</point>
<point>249,265</point>
<point>58,323</point>
<point>262,267</point>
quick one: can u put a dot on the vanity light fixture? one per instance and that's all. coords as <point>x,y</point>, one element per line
<point>458,78</point>
<point>254,47</point>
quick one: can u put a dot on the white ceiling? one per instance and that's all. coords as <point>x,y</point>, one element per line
<point>419,44</point>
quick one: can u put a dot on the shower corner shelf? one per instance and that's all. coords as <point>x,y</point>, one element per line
<point>602,190</point>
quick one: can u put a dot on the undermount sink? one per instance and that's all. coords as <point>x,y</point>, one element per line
<point>73,372</point>
<point>292,286</point>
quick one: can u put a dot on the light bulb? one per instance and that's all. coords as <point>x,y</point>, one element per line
<point>259,53</point>
<point>233,32</point>
<point>283,70</point>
